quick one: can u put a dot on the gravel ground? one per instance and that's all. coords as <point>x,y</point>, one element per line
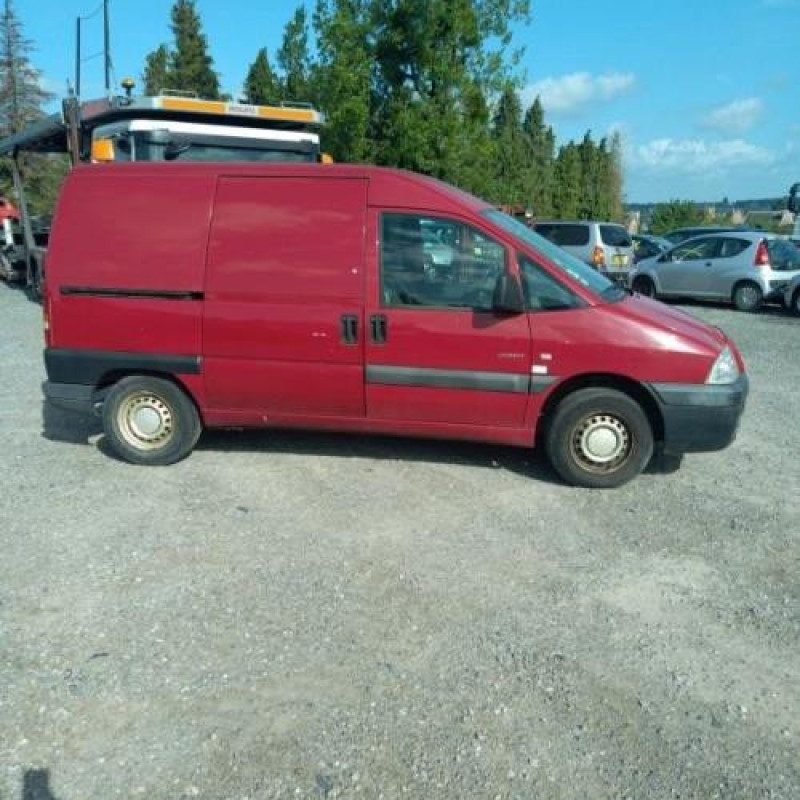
<point>313,616</point>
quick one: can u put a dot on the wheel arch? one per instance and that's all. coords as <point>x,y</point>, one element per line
<point>113,376</point>
<point>739,282</point>
<point>634,389</point>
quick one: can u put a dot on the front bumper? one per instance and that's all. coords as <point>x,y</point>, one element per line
<point>700,418</point>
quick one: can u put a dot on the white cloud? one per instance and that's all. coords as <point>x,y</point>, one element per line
<point>695,156</point>
<point>736,117</point>
<point>567,94</point>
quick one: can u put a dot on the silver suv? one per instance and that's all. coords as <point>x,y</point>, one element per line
<point>603,245</point>
<point>742,268</point>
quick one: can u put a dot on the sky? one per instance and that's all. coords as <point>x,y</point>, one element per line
<point>706,93</point>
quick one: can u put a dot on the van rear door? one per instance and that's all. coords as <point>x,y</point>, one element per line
<point>284,297</point>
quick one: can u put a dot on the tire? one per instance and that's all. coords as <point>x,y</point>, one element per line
<point>644,286</point>
<point>795,306</point>
<point>747,296</point>
<point>599,438</point>
<point>150,421</point>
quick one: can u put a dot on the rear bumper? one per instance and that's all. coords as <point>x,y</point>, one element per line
<point>70,396</point>
<point>700,418</point>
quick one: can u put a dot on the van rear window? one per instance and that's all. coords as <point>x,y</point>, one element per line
<point>560,234</point>
<point>615,236</point>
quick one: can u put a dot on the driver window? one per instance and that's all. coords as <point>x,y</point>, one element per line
<point>433,262</point>
<point>695,250</point>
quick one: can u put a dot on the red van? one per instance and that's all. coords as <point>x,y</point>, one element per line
<point>351,298</point>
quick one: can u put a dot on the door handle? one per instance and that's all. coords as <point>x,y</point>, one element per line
<point>349,328</point>
<point>378,328</point>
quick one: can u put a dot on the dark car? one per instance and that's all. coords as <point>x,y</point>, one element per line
<point>648,246</point>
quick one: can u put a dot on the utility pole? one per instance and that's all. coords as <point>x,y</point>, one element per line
<point>106,47</point>
<point>78,57</point>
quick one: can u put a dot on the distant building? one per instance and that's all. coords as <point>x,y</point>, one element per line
<point>738,216</point>
<point>633,221</point>
<point>769,219</point>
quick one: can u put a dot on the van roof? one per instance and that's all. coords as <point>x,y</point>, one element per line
<point>389,187</point>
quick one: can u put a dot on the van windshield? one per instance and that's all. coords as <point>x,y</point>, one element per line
<point>572,266</point>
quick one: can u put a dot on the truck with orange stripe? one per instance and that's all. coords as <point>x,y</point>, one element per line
<point>170,126</point>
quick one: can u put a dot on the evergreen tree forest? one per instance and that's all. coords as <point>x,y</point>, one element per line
<point>426,85</point>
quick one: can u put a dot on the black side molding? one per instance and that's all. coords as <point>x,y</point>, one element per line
<point>512,382</point>
<point>145,294</point>
<point>89,366</point>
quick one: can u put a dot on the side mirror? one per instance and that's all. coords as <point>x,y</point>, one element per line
<point>507,296</point>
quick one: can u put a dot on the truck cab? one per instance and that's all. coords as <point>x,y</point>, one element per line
<point>172,127</point>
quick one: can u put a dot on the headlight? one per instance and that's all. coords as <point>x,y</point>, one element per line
<point>725,369</point>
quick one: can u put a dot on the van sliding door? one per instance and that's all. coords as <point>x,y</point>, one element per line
<point>284,312</point>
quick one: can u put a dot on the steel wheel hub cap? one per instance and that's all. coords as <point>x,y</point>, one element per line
<point>145,421</point>
<point>601,442</point>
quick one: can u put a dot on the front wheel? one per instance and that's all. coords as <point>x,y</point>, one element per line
<point>150,421</point>
<point>599,438</point>
<point>747,297</point>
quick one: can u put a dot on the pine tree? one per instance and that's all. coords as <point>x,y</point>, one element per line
<point>512,154</point>
<point>616,178</point>
<point>539,176</point>
<point>567,194</point>
<point>188,66</point>
<point>192,66</point>
<point>343,77</point>
<point>156,71</point>
<point>21,93</point>
<point>589,178</point>
<point>294,58</point>
<point>22,98</point>
<point>261,86</point>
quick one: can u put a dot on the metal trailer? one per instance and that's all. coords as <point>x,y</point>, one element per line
<point>102,130</point>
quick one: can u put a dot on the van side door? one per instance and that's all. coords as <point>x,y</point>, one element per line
<point>284,305</point>
<point>436,352</point>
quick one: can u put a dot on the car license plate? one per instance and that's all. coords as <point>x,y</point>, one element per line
<point>620,260</point>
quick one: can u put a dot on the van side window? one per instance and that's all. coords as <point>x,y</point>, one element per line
<point>433,262</point>
<point>542,291</point>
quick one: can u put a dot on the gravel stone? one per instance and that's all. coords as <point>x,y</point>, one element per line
<point>289,614</point>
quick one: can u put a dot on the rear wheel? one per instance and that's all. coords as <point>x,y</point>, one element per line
<point>599,438</point>
<point>150,421</point>
<point>644,286</point>
<point>747,296</point>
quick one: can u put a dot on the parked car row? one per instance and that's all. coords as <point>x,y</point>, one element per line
<point>728,264</point>
<point>740,267</point>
